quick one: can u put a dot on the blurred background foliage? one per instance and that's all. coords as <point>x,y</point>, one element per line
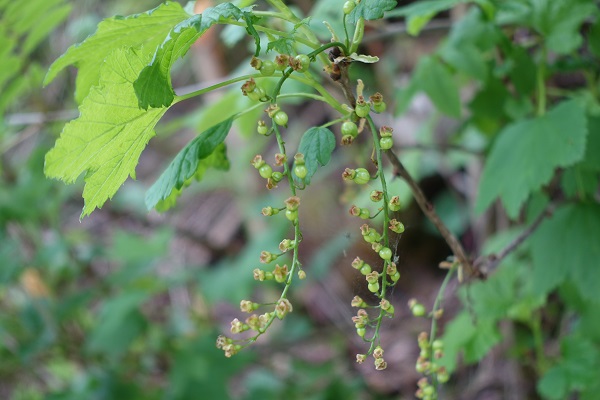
<point>127,304</point>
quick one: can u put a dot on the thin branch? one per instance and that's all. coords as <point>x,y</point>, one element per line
<point>442,148</point>
<point>429,211</point>
<point>488,263</point>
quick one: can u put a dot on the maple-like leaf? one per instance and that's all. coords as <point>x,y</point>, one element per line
<point>106,141</point>
<point>147,29</point>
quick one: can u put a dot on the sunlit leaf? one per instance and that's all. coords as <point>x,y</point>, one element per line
<point>106,141</point>
<point>146,31</point>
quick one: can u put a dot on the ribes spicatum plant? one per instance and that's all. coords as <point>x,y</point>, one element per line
<point>535,141</point>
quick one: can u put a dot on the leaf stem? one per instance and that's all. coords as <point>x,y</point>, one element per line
<point>275,32</point>
<point>486,264</point>
<point>541,82</point>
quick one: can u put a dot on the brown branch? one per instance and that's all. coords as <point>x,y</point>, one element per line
<point>429,211</point>
<point>487,263</point>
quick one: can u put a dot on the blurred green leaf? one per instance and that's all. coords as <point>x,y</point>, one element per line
<point>524,156</point>
<point>437,82</point>
<point>418,14</point>
<point>370,10</point>
<point>566,247</point>
<point>119,323</point>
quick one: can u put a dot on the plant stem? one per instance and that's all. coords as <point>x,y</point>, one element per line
<point>216,86</point>
<point>541,82</point>
<point>386,221</point>
<point>275,32</point>
<point>488,263</point>
<point>437,303</point>
<point>535,325</point>
<point>280,5</point>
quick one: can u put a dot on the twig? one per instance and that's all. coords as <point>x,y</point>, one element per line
<point>429,211</point>
<point>488,263</point>
<point>442,148</point>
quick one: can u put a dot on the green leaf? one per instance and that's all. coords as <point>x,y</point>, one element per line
<point>146,31</point>
<point>119,323</point>
<point>437,82</point>
<point>418,14</point>
<point>107,139</point>
<point>316,144</point>
<point>153,87</point>
<point>187,163</point>
<point>24,26</point>
<point>576,371</point>
<point>553,384</point>
<point>523,72</point>
<point>566,247</point>
<point>524,156</point>
<point>467,59</point>
<point>594,38</point>
<point>283,45</point>
<point>371,10</point>
<point>363,58</point>
<point>473,338</point>
<point>560,22</point>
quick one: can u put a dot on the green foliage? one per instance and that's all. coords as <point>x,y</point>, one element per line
<point>316,145</point>
<point>107,139</point>
<point>153,87</point>
<point>523,159</point>
<point>144,32</point>
<point>582,222</point>
<point>191,162</point>
<point>575,371</point>
<point>418,14</point>
<point>24,27</point>
<point>434,79</point>
<point>371,9</point>
<point>538,142</point>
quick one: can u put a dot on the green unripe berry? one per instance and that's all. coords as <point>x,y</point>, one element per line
<point>349,6</point>
<point>376,196</point>
<point>385,253</point>
<point>303,62</point>
<point>418,310</point>
<point>394,203</point>
<point>362,108</point>
<point>292,215</point>
<point>373,287</point>
<point>265,171</point>
<point>395,277</point>
<point>364,213</point>
<point>262,128</point>
<point>349,128</point>
<point>277,176</point>
<point>365,269</point>
<point>362,176</point>
<point>280,118</point>
<point>300,171</point>
<point>437,345</point>
<point>257,94</point>
<point>386,143</point>
<point>379,107</point>
<point>361,332</point>
<point>267,68</point>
